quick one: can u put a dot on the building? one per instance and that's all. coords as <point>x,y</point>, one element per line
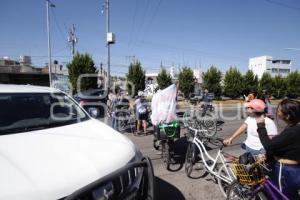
<point>275,67</point>
<point>22,72</point>
<point>198,81</point>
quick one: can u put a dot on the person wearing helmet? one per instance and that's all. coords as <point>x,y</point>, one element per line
<point>141,114</point>
<point>255,109</point>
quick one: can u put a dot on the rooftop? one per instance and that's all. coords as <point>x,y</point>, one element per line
<point>8,88</point>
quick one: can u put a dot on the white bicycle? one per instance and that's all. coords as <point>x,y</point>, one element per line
<point>205,163</point>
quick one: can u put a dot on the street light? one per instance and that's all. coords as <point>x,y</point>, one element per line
<point>48,3</point>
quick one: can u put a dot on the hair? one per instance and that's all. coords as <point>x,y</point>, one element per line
<point>254,93</point>
<point>290,110</point>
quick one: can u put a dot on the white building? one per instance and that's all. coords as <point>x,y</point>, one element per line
<point>262,64</point>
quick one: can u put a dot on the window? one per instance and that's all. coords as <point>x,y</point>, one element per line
<point>32,111</point>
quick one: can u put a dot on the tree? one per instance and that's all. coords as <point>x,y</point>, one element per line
<point>212,81</point>
<point>136,78</point>
<point>279,87</point>
<point>233,83</point>
<point>250,82</point>
<point>80,65</point>
<point>164,79</point>
<point>266,83</point>
<point>293,85</point>
<point>186,81</point>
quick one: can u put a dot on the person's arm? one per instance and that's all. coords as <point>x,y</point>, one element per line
<point>276,143</point>
<point>236,134</point>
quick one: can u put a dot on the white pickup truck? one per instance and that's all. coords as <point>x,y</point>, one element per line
<point>50,148</point>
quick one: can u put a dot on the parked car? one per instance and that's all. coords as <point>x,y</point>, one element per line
<point>50,148</point>
<point>195,98</point>
<point>180,97</point>
<point>93,101</point>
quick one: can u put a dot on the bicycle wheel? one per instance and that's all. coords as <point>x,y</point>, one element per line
<point>209,123</point>
<point>189,159</point>
<point>187,118</point>
<point>123,121</point>
<point>236,191</point>
<point>261,196</point>
<point>224,185</point>
<point>166,155</point>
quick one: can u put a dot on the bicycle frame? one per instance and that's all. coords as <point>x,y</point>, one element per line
<point>220,156</point>
<point>271,190</point>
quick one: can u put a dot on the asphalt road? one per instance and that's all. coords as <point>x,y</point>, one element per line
<point>174,184</point>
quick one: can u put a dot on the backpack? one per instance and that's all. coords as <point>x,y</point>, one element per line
<point>142,110</point>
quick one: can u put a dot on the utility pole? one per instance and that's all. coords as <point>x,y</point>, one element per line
<point>108,45</point>
<point>48,3</point>
<point>110,39</point>
<point>72,39</point>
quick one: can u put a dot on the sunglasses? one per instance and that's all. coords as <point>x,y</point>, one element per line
<point>249,108</point>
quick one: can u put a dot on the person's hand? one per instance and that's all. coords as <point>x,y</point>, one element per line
<point>261,158</point>
<point>227,141</point>
<point>260,119</point>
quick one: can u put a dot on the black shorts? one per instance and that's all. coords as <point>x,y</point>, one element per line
<point>142,116</point>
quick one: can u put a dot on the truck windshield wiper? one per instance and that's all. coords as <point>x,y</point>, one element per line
<point>22,129</point>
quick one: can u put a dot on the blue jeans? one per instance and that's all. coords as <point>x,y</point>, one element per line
<point>253,151</point>
<point>290,179</point>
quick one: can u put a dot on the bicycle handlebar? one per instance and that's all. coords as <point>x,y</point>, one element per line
<point>203,131</point>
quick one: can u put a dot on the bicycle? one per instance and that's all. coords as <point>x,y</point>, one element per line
<point>165,136</point>
<point>194,119</point>
<point>252,183</point>
<point>109,108</point>
<point>223,174</point>
<point>125,117</point>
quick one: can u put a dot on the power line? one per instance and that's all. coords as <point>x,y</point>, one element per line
<point>152,18</point>
<point>133,22</point>
<point>282,4</point>
<point>62,34</point>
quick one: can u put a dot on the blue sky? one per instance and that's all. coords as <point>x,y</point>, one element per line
<point>175,32</point>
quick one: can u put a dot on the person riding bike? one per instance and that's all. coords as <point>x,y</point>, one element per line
<point>255,108</point>
<point>284,148</point>
<point>206,102</point>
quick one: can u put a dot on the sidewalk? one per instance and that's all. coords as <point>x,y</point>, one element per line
<point>223,105</point>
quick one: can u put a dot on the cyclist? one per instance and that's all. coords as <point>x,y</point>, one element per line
<point>206,102</point>
<point>255,108</point>
<point>141,114</point>
<point>284,148</point>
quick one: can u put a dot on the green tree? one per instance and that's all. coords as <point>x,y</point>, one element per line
<point>232,83</point>
<point>250,82</point>
<point>212,81</point>
<point>80,65</point>
<point>164,79</point>
<point>279,87</point>
<point>293,85</point>
<point>186,81</point>
<point>266,83</point>
<point>136,78</point>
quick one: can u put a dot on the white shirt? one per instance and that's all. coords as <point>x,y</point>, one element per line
<point>138,104</point>
<point>253,140</point>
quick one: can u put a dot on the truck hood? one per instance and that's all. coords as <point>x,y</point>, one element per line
<point>52,163</point>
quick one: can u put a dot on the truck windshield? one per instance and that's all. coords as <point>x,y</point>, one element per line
<point>21,112</point>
